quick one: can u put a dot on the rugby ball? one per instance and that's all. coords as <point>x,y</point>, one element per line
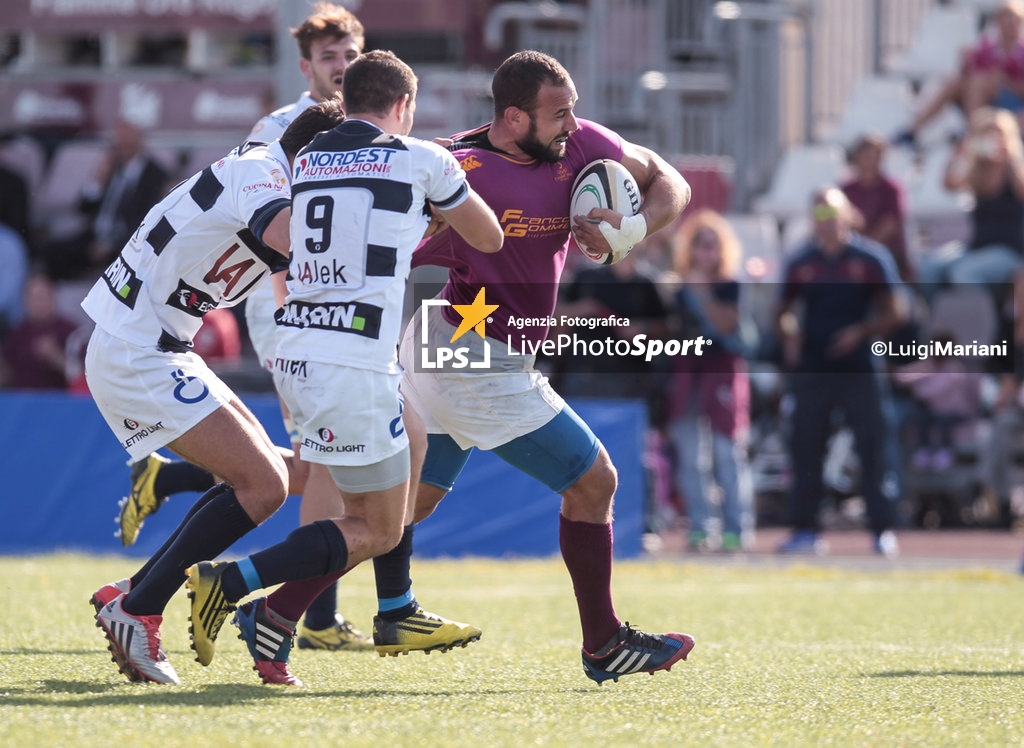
<point>604,184</point>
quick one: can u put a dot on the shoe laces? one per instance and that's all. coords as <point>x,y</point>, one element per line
<point>634,637</point>
<point>151,624</point>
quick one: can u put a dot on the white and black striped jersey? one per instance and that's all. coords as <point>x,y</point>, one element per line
<point>358,212</point>
<point>261,304</point>
<point>197,249</point>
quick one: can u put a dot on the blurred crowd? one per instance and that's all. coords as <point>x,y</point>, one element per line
<point>53,258</point>
<point>751,433</point>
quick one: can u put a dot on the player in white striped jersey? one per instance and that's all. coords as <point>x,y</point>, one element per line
<point>329,39</point>
<point>206,245</point>
<point>360,196</point>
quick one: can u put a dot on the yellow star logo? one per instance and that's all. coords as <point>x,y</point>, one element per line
<point>473,316</point>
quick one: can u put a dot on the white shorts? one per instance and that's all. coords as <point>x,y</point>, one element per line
<point>483,410</point>
<point>348,416</point>
<point>259,319</point>
<point>149,398</point>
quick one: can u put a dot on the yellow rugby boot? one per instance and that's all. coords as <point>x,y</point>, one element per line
<point>421,631</point>
<point>209,608</point>
<point>142,501</point>
<point>340,636</point>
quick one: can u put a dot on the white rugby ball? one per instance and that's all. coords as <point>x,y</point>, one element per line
<point>604,184</point>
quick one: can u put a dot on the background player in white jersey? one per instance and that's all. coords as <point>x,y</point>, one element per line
<point>329,39</point>
<point>206,245</point>
<point>360,199</point>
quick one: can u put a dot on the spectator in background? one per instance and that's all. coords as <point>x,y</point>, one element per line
<point>990,74</point>
<point>14,261</point>
<point>15,211</point>
<point>947,397</point>
<point>620,290</point>
<point>709,397</point>
<point>127,184</point>
<point>847,287</point>
<point>879,200</point>
<point>34,355</point>
<point>989,162</point>
<point>15,245</point>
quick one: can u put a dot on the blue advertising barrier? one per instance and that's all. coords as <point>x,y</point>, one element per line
<point>63,472</point>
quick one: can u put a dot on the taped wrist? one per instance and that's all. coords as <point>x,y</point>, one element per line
<point>630,231</point>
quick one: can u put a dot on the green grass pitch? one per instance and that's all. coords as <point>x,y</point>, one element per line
<point>795,656</point>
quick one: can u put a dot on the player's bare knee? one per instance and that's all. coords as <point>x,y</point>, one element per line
<point>263,492</point>
<point>590,498</point>
<point>427,499</point>
<point>390,539</point>
<point>601,481</point>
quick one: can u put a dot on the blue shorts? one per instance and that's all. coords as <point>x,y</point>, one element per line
<point>557,454</point>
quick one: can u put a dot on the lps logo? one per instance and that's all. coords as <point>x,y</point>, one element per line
<point>474,317</point>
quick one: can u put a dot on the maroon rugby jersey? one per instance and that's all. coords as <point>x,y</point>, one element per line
<point>531,201</point>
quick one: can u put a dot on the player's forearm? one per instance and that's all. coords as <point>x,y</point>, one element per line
<point>666,197</point>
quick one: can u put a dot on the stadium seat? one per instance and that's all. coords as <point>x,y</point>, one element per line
<point>802,170</point>
<point>73,165</point>
<point>711,179</point>
<point>947,125</point>
<point>758,234</point>
<point>900,165</point>
<point>941,37</point>
<point>878,104</point>
<point>927,196</point>
<point>26,157</point>
<point>796,231</point>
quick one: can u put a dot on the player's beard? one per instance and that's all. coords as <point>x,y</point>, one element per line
<point>532,147</point>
